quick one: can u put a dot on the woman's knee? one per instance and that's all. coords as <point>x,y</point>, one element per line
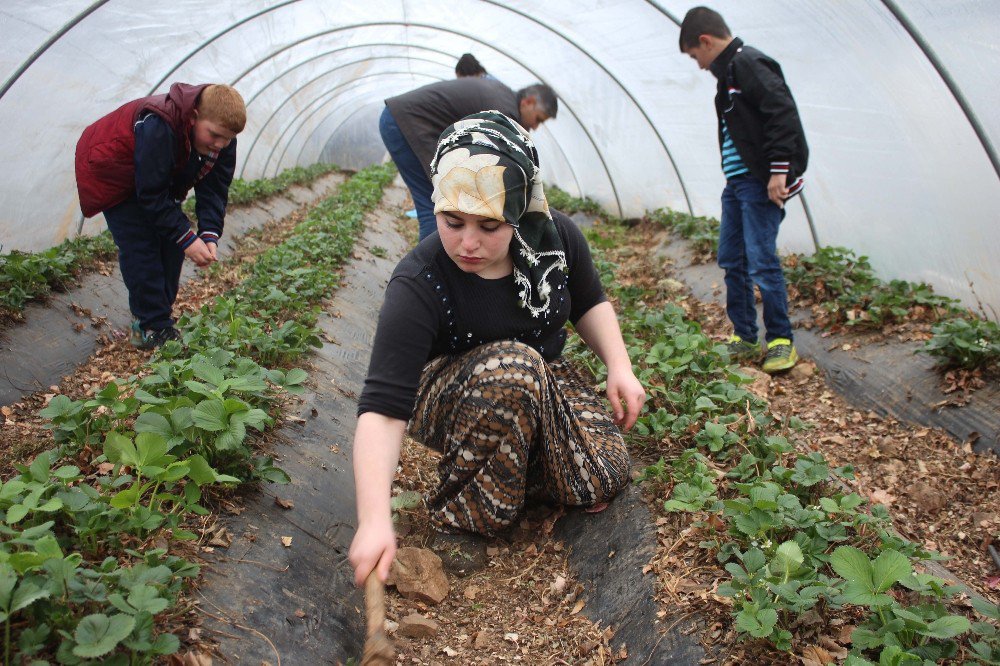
<point>508,364</point>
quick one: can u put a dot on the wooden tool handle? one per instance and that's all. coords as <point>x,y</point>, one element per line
<point>374,604</point>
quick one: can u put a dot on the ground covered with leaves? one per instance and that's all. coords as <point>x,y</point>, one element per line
<point>941,495</point>
<point>101,530</point>
<point>523,605</point>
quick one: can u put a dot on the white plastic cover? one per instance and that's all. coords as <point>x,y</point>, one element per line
<point>898,98</point>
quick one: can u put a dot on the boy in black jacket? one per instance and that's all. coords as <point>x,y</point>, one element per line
<point>764,155</point>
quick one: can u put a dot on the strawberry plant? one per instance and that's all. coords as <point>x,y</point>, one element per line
<point>179,428</point>
<point>247,191</point>
<point>965,343</point>
<point>986,638</point>
<point>847,289</point>
<point>790,539</point>
<point>563,201</point>
<point>917,634</point>
<point>702,232</point>
<point>27,276</point>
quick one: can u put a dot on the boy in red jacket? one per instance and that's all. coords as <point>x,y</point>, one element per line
<point>136,165</point>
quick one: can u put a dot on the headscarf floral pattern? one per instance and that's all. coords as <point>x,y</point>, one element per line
<point>485,164</point>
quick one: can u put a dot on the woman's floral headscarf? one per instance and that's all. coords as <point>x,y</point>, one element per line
<point>485,164</point>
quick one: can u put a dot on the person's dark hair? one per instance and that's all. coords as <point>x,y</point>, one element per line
<point>467,65</point>
<point>701,21</point>
<point>547,99</point>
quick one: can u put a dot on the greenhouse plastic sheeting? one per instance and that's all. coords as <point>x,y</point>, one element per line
<point>898,98</point>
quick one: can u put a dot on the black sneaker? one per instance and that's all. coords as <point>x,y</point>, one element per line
<point>165,335</point>
<point>152,339</point>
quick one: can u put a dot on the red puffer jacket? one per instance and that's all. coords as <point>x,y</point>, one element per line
<point>105,167</point>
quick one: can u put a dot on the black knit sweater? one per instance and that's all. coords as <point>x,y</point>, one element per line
<point>432,307</point>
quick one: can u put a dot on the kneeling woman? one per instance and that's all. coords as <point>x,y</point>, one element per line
<point>468,348</point>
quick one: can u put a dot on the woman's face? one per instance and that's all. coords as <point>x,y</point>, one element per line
<point>477,244</point>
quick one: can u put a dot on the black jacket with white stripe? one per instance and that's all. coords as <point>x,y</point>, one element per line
<point>763,121</point>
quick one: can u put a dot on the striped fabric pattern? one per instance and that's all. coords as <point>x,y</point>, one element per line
<point>796,187</point>
<point>186,239</point>
<point>732,164</point>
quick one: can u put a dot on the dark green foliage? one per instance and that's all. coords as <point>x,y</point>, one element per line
<point>562,201</point>
<point>27,276</point>
<point>847,288</point>
<point>703,232</point>
<point>70,581</point>
<point>791,540</point>
<point>247,191</point>
<point>965,343</point>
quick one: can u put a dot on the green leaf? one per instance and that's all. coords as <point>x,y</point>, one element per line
<point>120,450</point>
<point>147,598</point>
<point>37,531</point>
<point>210,415</point>
<point>788,558</point>
<point>208,373</point>
<point>16,513</point>
<point>704,402</point>
<point>174,472</point>
<point>987,608</point>
<point>126,498</point>
<point>98,634</point>
<point>152,449</point>
<point>860,594</point>
<point>60,405</point>
<point>295,376</point>
<point>153,422</point>
<point>148,398</point>
<point>890,567</point>
<point>230,439</point>
<point>406,500</point>
<point>12,489</point>
<point>948,626</point>
<point>234,406</point>
<point>26,594</point>
<point>275,475</point>
<point>53,504</point>
<point>8,579</point>
<point>758,624</point>
<point>199,388</point>
<point>865,639</point>
<point>893,655</point>
<point>166,644</point>
<point>200,471</point>
<point>40,467</point>
<point>48,547</point>
<point>66,472</point>
<point>853,565</point>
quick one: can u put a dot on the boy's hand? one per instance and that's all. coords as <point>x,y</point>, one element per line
<point>213,248</point>
<point>199,253</point>
<point>776,190</point>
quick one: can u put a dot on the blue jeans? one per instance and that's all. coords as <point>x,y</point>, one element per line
<point>748,253</point>
<point>150,264</point>
<point>410,170</point>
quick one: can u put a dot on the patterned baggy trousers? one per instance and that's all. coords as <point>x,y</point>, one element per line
<point>507,424</point>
